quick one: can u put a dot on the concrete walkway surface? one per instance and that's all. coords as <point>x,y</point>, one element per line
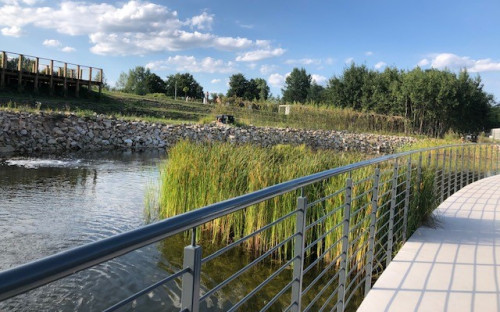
<point>452,267</point>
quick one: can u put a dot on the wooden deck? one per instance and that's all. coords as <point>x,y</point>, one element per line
<point>454,266</point>
<point>28,70</point>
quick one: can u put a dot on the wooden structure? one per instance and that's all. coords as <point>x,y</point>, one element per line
<point>36,71</point>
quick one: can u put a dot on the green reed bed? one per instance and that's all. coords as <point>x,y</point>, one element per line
<point>196,175</point>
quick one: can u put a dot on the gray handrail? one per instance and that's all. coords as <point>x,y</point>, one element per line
<point>37,273</point>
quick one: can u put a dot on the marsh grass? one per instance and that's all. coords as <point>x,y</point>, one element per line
<point>196,175</point>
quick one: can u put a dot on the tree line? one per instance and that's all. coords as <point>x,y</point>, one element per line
<point>432,101</point>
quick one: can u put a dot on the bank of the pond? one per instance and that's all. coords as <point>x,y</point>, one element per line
<point>43,132</point>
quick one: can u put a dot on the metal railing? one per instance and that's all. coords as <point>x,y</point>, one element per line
<point>342,239</point>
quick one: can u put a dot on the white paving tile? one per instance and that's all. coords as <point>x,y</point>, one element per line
<point>453,267</point>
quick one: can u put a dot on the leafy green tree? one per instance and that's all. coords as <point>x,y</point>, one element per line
<point>155,84</point>
<point>238,86</point>
<point>195,90</point>
<point>316,93</point>
<point>263,90</point>
<point>297,86</point>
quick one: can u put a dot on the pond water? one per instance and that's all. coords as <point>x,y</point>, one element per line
<point>49,205</point>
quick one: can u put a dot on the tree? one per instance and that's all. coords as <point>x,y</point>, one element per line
<point>316,93</point>
<point>238,85</point>
<point>297,86</point>
<point>155,84</point>
<point>183,80</point>
<point>134,81</point>
<point>263,90</point>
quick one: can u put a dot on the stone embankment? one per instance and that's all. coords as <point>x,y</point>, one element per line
<point>34,133</point>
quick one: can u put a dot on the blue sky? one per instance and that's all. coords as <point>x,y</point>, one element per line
<point>261,39</point>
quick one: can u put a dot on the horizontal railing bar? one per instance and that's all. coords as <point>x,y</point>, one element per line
<point>322,256</point>
<point>47,59</point>
<point>239,241</point>
<point>355,252</point>
<point>385,193</point>
<point>354,213</point>
<point>362,194</point>
<point>361,282</point>
<point>319,276</point>
<point>40,272</point>
<point>318,295</point>
<point>357,225</point>
<point>326,197</point>
<point>362,181</point>
<point>384,204</point>
<point>401,184</point>
<point>323,218</point>
<point>147,290</point>
<point>261,285</point>
<point>353,280</point>
<point>327,301</point>
<point>277,296</point>
<point>323,236</point>
<point>246,267</point>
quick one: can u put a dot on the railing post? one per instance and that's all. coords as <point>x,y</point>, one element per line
<point>78,77</point>
<point>407,199</point>
<point>419,171</point>
<point>491,160</point>
<point>436,174</point>
<point>90,79</point>
<point>390,237</point>
<point>3,65</point>
<point>448,191</point>
<point>373,224</point>
<point>298,263</point>
<point>20,73</point>
<point>479,162</point>
<point>51,80</point>
<point>65,80</point>
<point>462,168</point>
<point>190,299</point>
<point>37,65</point>
<point>443,173</point>
<point>345,246</point>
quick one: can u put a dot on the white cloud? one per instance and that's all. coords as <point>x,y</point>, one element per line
<point>368,53</point>
<point>68,49</point>
<point>191,64</point>
<point>121,28</point>
<point>246,26</point>
<point>379,65</point>
<point>349,60</point>
<point>13,31</point>
<point>318,79</point>
<point>277,80</point>
<point>252,65</point>
<point>423,62</point>
<point>258,55</point>
<point>202,22</point>
<point>51,43</point>
<point>266,69</point>
<point>215,81</point>
<point>329,61</point>
<point>455,62</point>
<point>304,61</point>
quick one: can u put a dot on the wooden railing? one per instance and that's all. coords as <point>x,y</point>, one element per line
<point>22,69</point>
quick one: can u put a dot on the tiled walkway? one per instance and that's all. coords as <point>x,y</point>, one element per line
<point>452,267</point>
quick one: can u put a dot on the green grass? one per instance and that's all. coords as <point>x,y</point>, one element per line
<point>162,109</point>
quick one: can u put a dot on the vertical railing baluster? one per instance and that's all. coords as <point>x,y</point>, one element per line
<point>190,298</point>
<point>448,191</point>
<point>443,173</point>
<point>407,199</point>
<point>468,165</point>
<point>462,168</point>
<point>373,224</point>
<point>491,160</point>
<point>298,263</point>
<point>345,247</point>
<point>436,177</point>
<point>455,183</point>
<point>390,237</point>
<point>419,172</point>
<point>479,172</point>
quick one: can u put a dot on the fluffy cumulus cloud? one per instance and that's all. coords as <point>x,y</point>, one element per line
<point>276,80</point>
<point>13,31</point>
<point>51,43</point>
<point>318,79</point>
<point>123,28</point>
<point>266,69</point>
<point>68,49</point>
<point>303,61</point>
<point>215,81</point>
<point>380,65</point>
<point>192,64</point>
<point>455,62</point>
<point>258,55</point>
